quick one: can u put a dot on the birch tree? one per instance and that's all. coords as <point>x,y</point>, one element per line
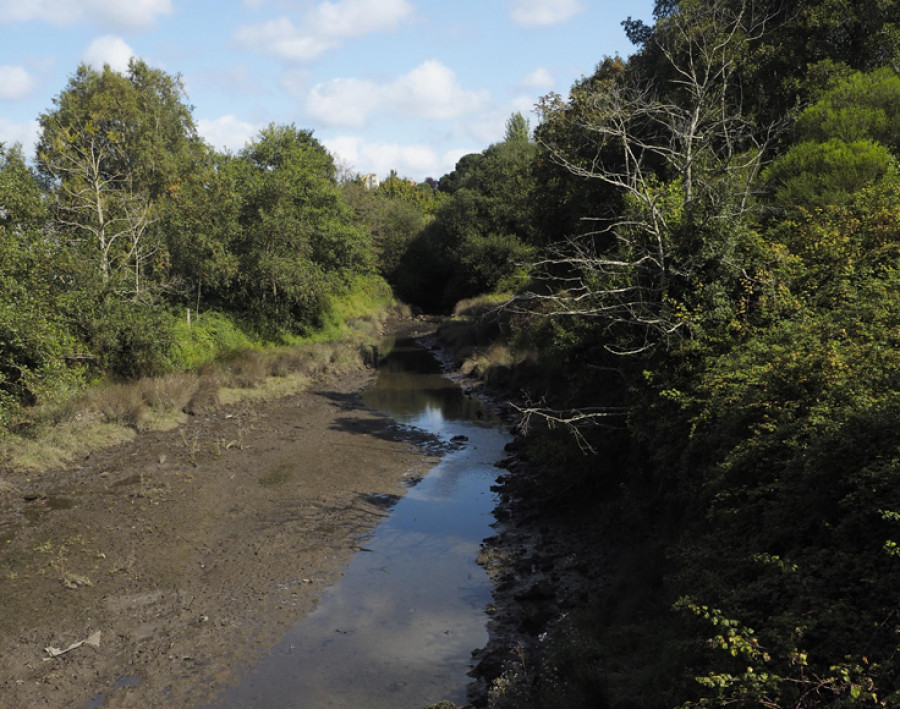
<point>110,149</point>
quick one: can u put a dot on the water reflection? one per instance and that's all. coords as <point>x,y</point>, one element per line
<point>398,630</point>
<point>411,388</point>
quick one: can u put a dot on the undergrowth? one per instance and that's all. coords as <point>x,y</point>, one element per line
<point>215,361</point>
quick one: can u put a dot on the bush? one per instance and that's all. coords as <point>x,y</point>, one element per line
<point>33,347</point>
<point>816,175</point>
<point>126,339</point>
<point>208,335</point>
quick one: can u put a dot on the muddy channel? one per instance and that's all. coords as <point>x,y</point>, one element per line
<point>398,630</point>
<point>326,559</point>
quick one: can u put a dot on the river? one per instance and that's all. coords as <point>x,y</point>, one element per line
<point>397,631</point>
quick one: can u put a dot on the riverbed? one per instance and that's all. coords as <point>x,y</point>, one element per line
<point>166,570</point>
<point>399,628</point>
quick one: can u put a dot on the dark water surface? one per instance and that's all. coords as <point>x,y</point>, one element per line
<point>398,630</point>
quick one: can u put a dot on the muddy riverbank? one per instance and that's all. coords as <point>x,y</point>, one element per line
<point>544,562</point>
<point>153,573</point>
<point>176,555</point>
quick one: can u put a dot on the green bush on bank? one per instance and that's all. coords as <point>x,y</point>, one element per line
<point>365,295</point>
<point>204,337</point>
<point>129,342</point>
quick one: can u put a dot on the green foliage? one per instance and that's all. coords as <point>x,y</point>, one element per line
<point>479,237</point>
<point>112,149</point>
<point>517,129</point>
<point>206,336</point>
<point>34,341</point>
<point>296,243</point>
<point>134,219</point>
<point>759,460</point>
<point>563,204</point>
<point>422,195</point>
<point>814,175</point>
<point>758,679</point>
<point>864,106</point>
<point>849,139</point>
<point>202,224</point>
<point>33,345</point>
<point>394,213</point>
<point>22,202</point>
<point>126,340</point>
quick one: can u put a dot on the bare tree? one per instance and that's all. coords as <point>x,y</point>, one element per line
<point>668,137</point>
<point>683,158</point>
<point>98,201</point>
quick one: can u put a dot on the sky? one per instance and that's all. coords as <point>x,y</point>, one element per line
<point>405,85</point>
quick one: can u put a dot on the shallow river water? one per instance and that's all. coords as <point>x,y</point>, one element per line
<point>398,630</point>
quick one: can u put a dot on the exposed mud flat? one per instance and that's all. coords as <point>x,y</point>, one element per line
<point>189,551</point>
<point>192,552</point>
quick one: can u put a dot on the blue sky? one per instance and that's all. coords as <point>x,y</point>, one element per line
<point>410,85</point>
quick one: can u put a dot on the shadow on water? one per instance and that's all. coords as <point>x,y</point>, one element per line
<point>399,628</point>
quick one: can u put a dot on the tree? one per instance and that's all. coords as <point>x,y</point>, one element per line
<point>517,128</point>
<point>848,140</point>
<point>814,175</point>
<point>677,149</point>
<point>808,44</point>
<point>566,205</point>
<point>112,148</point>
<point>22,203</point>
<point>202,224</point>
<point>480,236</point>
<point>34,337</point>
<point>863,106</point>
<point>296,244</point>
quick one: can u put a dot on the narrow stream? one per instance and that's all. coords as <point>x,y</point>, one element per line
<point>397,631</point>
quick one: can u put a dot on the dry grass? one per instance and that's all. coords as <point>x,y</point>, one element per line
<point>112,413</point>
<point>120,404</point>
<point>57,445</point>
<point>271,388</point>
<point>245,369</point>
<point>482,362</point>
<point>170,391</point>
<point>481,306</point>
<point>206,393</point>
<point>292,360</point>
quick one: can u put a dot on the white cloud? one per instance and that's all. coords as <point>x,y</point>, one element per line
<point>540,13</point>
<point>15,83</point>
<point>283,39</point>
<point>355,18</point>
<point>226,132</point>
<point>295,82</point>
<point>540,79</point>
<point>108,50</point>
<point>231,80</point>
<point>129,15</point>
<point>488,128</point>
<point>324,27</point>
<point>25,133</point>
<point>58,12</point>
<point>414,161</point>
<point>431,90</point>
<point>343,102</point>
<point>526,105</point>
<point>132,14</point>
